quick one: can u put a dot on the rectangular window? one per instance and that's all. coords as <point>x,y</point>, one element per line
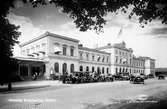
<point>103,59</point>
<point>37,48</point>
<point>116,51</point>
<point>43,46</point>
<point>32,49</point>
<point>81,55</point>
<point>107,59</point>
<point>116,59</point>
<point>93,57</point>
<point>28,51</point>
<point>72,51</point>
<point>23,52</point>
<point>87,56</point>
<point>64,50</point>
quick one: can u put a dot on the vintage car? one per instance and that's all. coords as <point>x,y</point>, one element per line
<point>136,80</point>
<point>161,77</point>
<point>109,78</point>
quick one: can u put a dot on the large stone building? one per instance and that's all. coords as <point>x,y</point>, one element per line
<point>51,53</point>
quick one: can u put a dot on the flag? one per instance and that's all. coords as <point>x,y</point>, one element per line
<point>120,32</point>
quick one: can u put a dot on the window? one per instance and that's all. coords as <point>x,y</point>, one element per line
<point>37,48</point>
<point>72,51</point>
<point>72,68</point>
<point>87,56</point>
<point>120,60</point>
<point>64,68</point>
<point>93,57</point>
<point>80,68</point>
<point>64,50</point>
<point>56,67</point>
<point>28,51</point>
<point>23,52</point>
<point>93,69</point>
<point>98,59</point>
<point>107,59</point>
<point>116,59</point>
<point>103,70</point>
<point>98,70</point>
<point>119,70</point>
<point>116,51</point>
<point>116,70</point>
<point>103,59</point>
<point>107,70</point>
<point>56,48</point>
<point>32,49</point>
<point>87,68</point>
<point>120,52</point>
<point>81,55</point>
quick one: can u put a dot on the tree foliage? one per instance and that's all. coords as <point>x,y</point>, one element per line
<point>89,14</point>
<point>8,37</point>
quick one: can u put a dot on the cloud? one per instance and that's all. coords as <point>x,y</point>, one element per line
<point>158,31</point>
<point>119,20</point>
<point>27,29</point>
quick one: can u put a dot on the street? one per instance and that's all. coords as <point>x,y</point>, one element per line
<point>79,96</point>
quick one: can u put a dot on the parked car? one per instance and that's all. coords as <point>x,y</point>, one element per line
<point>136,80</point>
<point>161,77</point>
<point>150,76</point>
<point>109,78</point>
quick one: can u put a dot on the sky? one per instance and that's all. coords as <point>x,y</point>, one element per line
<point>149,41</point>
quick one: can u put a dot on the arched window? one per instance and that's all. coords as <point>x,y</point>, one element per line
<point>119,70</point>
<point>103,70</point>
<point>98,70</point>
<point>80,68</point>
<point>116,70</point>
<point>93,69</point>
<point>87,68</point>
<point>107,70</point>
<point>56,67</point>
<point>64,68</point>
<point>72,68</point>
<point>126,70</point>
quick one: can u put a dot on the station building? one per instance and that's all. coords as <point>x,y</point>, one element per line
<point>55,54</point>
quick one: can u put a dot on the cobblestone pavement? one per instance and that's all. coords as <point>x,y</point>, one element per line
<point>79,95</point>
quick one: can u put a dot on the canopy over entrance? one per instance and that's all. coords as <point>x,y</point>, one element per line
<point>28,67</point>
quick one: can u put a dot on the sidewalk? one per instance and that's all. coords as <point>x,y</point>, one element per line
<point>23,85</point>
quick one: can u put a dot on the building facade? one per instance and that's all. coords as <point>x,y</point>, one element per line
<point>54,54</point>
<point>123,61</point>
<point>59,54</point>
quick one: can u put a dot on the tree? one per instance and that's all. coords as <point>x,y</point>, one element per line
<point>89,14</point>
<point>8,37</point>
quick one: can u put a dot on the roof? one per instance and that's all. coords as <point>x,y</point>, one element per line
<point>93,50</point>
<point>49,34</point>
<point>29,59</point>
<point>147,58</point>
<point>116,45</point>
